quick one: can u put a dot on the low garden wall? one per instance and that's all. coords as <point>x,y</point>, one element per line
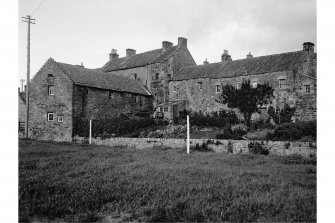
<point>218,145</point>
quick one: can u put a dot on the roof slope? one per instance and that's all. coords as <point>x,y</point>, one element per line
<point>256,65</point>
<point>93,78</point>
<point>138,60</point>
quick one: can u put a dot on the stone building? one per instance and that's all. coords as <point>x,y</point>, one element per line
<point>60,93</point>
<point>153,68</point>
<point>291,74</point>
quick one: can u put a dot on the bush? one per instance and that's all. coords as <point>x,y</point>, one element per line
<point>203,148</point>
<point>283,115</point>
<point>258,148</point>
<point>219,119</point>
<point>235,132</point>
<point>294,131</point>
<point>113,126</point>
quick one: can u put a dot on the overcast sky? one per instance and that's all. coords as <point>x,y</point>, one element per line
<point>75,31</point>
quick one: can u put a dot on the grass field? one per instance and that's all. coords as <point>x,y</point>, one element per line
<point>66,182</point>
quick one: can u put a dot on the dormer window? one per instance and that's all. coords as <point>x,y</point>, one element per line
<point>51,90</point>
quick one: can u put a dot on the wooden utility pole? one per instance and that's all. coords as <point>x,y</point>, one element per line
<point>28,20</point>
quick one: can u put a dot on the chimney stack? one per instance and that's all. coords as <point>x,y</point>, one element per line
<point>130,52</point>
<point>182,41</point>
<point>113,55</point>
<point>308,47</point>
<point>166,45</point>
<point>206,62</point>
<point>225,56</point>
<point>250,56</point>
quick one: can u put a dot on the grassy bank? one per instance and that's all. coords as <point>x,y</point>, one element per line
<point>94,183</point>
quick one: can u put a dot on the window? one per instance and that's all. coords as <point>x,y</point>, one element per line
<point>307,89</point>
<point>217,88</point>
<point>238,86</point>
<point>200,85</point>
<point>50,75</point>
<point>135,76</point>
<point>282,83</point>
<point>175,88</point>
<point>22,126</point>
<point>160,109</point>
<point>110,95</point>
<point>157,76</point>
<point>50,116</point>
<point>254,84</point>
<point>60,118</point>
<point>51,90</point>
<point>166,109</point>
<point>137,99</point>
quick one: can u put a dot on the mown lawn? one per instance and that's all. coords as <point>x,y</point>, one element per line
<point>66,182</point>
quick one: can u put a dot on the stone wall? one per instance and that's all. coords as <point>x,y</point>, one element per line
<point>219,146</point>
<point>94,103</point>
<point>41,103</point>
<point>22,108</point>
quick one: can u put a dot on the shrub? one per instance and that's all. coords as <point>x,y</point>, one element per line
<point>235,132</point>
<point>258,148</point>
<point>283,115</point>
<point>230,148</point>
<point>203,148</point>
<point>294,131</point>
<point>219,119</point>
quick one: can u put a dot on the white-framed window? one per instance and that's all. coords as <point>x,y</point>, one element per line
<point>200,85</point>
<point>51,90</point>
<point>254,84</point>
<point>238,86</point>
<point>50,116</point>
<point>166,109</point>
<point>307,89</point>
<point>60,118</point>
<point>282,83</point>
<point>217,88</point>
<point>110,95</point>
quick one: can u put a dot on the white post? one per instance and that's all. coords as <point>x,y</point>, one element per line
<point>188,135</point>
<point>90,139</point>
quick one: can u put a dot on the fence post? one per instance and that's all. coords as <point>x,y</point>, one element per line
<point>90,139</point>
<point>188,135</point>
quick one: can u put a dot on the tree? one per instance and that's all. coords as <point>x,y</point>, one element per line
<point>247,99</point>
<point>283,115</point>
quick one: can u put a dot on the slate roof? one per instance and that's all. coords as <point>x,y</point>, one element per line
<point>139,60</point>
<point>98,79</point>
<point>257,65</point>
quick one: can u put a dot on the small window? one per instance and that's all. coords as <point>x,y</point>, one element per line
<point>238,86</point>
<point>51,90</point>
<point>157,76</point>
<point>254,84</point>
<point>60,118</point>
<point>307,89</point>
<point>135,76</point>
<point>282,83</point>
<point>110,95</point>
<point>50,116</point>
<point>166,109</point>
<point>175,88</point>
<point>217,88</point>
<point>200,85</point>
<point>137,99</point>
<point>50,76</point>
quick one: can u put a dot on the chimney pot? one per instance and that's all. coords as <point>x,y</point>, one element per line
<point>130,52</point>
<point>249,56</point>
<point>113,55</point>
<point>308,47</point>
<point>166,45</point>
<point>225,56</point>
<point>182,41</point>
<point>206,62</point>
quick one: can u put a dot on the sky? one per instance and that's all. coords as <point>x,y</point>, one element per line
<point>75,31</point>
